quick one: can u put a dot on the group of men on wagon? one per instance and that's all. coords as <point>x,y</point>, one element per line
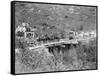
<point>27,32</point>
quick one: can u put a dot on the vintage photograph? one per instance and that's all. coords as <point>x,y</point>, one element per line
<point>55,37</point>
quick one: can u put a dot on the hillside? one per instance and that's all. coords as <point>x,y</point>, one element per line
<point>61,17</point>
<point>52,23</point>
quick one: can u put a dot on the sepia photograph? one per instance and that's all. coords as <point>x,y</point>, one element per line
<point>52,37</point>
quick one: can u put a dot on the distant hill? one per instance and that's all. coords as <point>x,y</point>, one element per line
<point>54,18</point>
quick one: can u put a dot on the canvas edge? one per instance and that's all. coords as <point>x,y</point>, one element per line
<point>12,37</point>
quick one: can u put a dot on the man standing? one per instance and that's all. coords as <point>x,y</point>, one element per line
<point>20,30</point>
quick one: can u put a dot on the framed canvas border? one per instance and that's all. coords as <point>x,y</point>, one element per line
<point>12,37</point>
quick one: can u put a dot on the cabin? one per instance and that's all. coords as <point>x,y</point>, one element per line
<point>72,35</point>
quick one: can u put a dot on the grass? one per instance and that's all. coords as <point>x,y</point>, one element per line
<point>75,58</point>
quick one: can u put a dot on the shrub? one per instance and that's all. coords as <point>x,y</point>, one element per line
<point>87,53</point>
